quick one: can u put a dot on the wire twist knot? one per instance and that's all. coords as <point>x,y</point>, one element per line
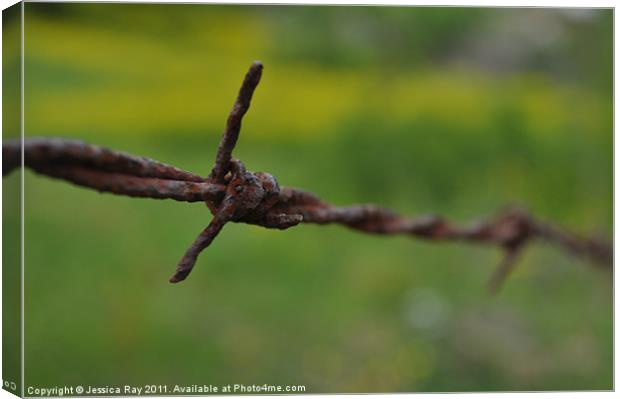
<point>251,197</point>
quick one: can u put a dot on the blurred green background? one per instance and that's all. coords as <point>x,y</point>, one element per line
<point>456,111</point>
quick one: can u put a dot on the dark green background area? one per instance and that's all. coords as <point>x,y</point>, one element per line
<point>444,110</point>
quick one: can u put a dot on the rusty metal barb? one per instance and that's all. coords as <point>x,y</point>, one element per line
<point>233,124</point>
<point>234,194</point>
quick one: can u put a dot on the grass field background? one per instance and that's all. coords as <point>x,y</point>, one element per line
<point>451,111</point>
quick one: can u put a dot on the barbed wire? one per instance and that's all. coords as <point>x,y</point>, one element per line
<point>234,194</point>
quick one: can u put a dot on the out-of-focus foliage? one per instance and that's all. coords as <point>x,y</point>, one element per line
<point>447,110</point>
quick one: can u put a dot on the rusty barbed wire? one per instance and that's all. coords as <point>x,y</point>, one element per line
<point>234,194</point>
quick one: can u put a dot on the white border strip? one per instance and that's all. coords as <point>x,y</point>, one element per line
<point>22,192</point>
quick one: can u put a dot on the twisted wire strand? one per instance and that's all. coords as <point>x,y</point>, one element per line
<point>233,194</point>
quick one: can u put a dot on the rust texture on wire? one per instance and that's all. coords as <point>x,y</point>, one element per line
<point>234,194</point>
